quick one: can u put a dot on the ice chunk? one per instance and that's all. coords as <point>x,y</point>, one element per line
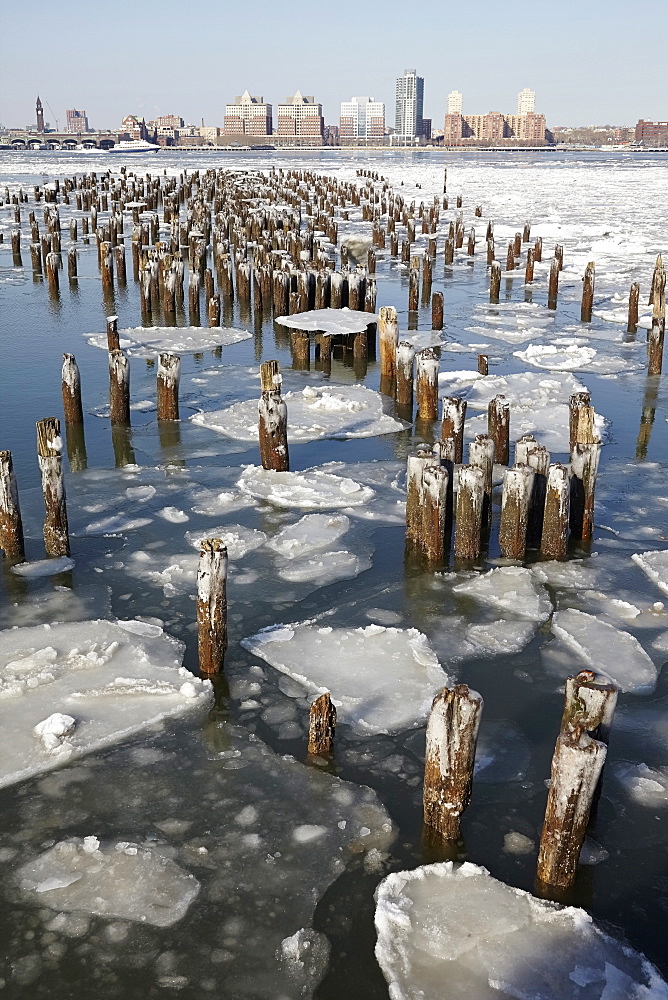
<point>331,322</point>
<point>306,956</point>
<point>510,588</point>
<point>52,679</point>
<point>308,490</point>
<point>381,679</point>
<point>456,924</point>
<point>325,569</point>
<point>44,567</point>
<point>655,565</point>
<point>570,357</point>
<point>646,785</point>
<point>313,414</point>
<point>312,533</point>
<point>607,650</point>
<point>501,636</point>
<point>137,884</point>
<point>238,540</point>
<point>146,342</point>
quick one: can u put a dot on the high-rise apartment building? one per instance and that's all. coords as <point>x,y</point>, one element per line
<point>301,118</point>
<point>526,101</point>
<point>410,98</point>
<point>362,119</point>
<point>454,103</point>
<point>167,121</point>
<point>652,133</point>
<point>76,120</point>
<point>248,116</point>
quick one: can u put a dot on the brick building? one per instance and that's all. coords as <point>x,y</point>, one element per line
<point>300,118</point>
<point>248,115</point>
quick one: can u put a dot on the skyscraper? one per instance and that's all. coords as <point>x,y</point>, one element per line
<point>410,96</point>
<point>526,100</point>
<point>454,103</point>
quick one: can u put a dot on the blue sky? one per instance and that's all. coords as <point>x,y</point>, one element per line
<point>589,62</point>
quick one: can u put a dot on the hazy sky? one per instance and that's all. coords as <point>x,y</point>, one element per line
<point>589,61</point>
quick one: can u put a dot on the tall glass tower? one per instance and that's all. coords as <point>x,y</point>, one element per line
<point>410,96</point>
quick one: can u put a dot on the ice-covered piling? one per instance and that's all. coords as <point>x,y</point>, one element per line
<point>404,384</point>
<point>589,702</point>
<point>481,455</point>
<point>388,338</point>
<point>119,388</point>
<point>554,539</point>
<point>452,424</point>
<point>529,452</point>
<point>498,428</point>
<point>452,734</point>
<point>169,375</point>
<point>71,390</point>
<point>528,271</point>
<point>468,518</point>
<point>576,768</point>
<point>581,428</point>
<point>494,280</point>
<point>211,606</point>
<point>51,263</point>
<point>426,384</point>
<point>11,525</point>
<point>113,343</point>
<point>584,468</point>
<point>49,457</point>
<point>656,334</point>
<point>322,726</point>
<point>516,498</point>
<point>273,420</point>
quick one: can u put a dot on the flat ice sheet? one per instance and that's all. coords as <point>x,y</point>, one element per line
<point>332,322</point>
<point>607,650</point>
<point>382,680</point>
<point>308,490</point>
<point>456,925</point>
<point>510,588</point>
<point>147,341</point>
<point>312,533</point>
<point>572,358</point>
<point>85,685</point>
<point>315,413</point>
<point>655,565</point>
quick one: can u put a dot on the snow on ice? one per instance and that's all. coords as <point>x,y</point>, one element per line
<point>146,342</point>
<point>309,490</point>
<point>606,649</point>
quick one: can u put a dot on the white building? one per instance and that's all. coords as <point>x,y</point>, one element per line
<point>301,117</point>
<point>454,103</point>
<point>410,97</point>
<point>526,101</point>
<point>248,116</point>
<point>362,118</point>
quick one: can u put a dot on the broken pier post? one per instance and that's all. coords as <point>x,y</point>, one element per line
<point>11,525</point>
<point>211,606</point>
<point>49,456</point>
<point>321,727</point>
<point>169,375</point>
<point>273,420</point>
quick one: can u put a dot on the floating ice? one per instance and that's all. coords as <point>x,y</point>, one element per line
<point>313,414</point>
<point>442,924</point>
<point>381,680</point>
<point>312,533</point>
<point>122,880</point>
<point>331,322</point>
<point>646,785</point>
<point>116,524</point>
<point>655,565</point>
<point>325,569</point>
<point>238,540</point>
<point>146,342</point>
<point>71,688</point>
<point>607,650</point>
<point>500,637</point>
<point>308,490</point>
<point>44,567</point>
<point>570,358</point>
<point>511,588</point>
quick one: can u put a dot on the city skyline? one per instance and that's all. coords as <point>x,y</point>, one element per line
<point>581,63</point>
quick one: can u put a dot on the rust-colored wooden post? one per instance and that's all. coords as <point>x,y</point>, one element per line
<point>49,456</point>
<point>212,606</point>
<point>169,376</point>
<point>11,524</point>
<point>437,311</point>
<point>322,726</point>
<point>494,281</point>
<point>553,284</point>
<point>554,540</point>
<point>587,293</point>
<point>119,388</point>
<point>452,424</point>
<point>388,338</point>
<point>634,297</point>
<point>498,428</point>
<point>427,366</point>
<point>516,497</point>
<point>71,390</point>
<point>468,519</point>
<point>273,420</point>
<point>405,366</point>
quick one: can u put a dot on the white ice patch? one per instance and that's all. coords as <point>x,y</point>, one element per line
<point>382,680</point>
<point>305,490</point>
<point>312,533</point>
<point>510,588</point>
<point>238,540</point>
<point>325,569</point>
<point>315,413</point>
<point>68,689</point>
<point>146,342</point>
<point>646,785</point>
<point>458,925</point>
<point>500,637</point>
<point>570,357</point>
<point>331,322</point>
<point>607,650</point>
<point>44,567</point>
<point>124,880</point>
<point>655,565</point>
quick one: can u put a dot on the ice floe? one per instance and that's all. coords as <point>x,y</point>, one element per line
<point>147,341</point>
<point>655,565</point>
<point>306,490</point>
<point>331,322</point>
<point>608,650</point>
<point>510,588</point>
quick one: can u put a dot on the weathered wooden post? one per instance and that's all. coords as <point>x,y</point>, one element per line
<point>529,452</point>
<point>72,263</point>
<point>490,251</point>
<point>388,338</point>
<point>322,726</point>
<point>526,235</point>
<point>119,261</point>
<point>553,284</point>
<point>498,428</point>
<point>587,293</point>
<point>113,343</point>
<point>413,289</point>
<point>52,260</point>
<point>528,273</point>
<point>404,367</point>
<point>437,311</point>
<point>214,310</point>
<point>11,525</point>
<point>36,258</point>
<point>71,390</point>
<point>452,424</point>
<point>107,267</point>
<point>449,250</point>
<point>483,364</point>
<point>169,375</point>
<point>584,467</point>
<point>211,606</point>
<point>656,334</point>
<point>634,297</point>
<point>49,457</point>
<point>494,281</point>
<point>554,540</point>
<point>538,250</point>
<point>452,735</point>
<point>273,420</point>
<point>426,383</point>
<point>119,388</point>
<point>582,429</point>
<point>415,467</point>
<point>589,702</point>
<point>468,519</point>
<point>510,257</point>
<point>516,497</point>
<point>481,455</point>
<point>559,255</point>
<point>576,768</point>
<point>193,297</point>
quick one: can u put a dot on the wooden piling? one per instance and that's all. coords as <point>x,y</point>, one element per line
<point>587,305</point>
<point>584,467</point>
<point>554,540</point>
<point>452,424</point>
<point>452,734</point>
<point>634,297</point>
<point>211,606</point>
<point>49,457</point>
<point>553,284</point>
<point>516,498</point>
<point>273,420</point>
<point>11,524</point>
<point>169,375</point>
<point>576,768</point>
<point>426,383</point>
<point>483,364</point>
<point>581,415</point>
<point>481,454</point>
<point>589,703</point>
<point>72,263</point>
<point>498,428</point>
<point>388,338</point>
<point>113,343</point>
<point>405,364</point>
<point>528,273</point>
<point>494,281</point>
<point>415,467</point>
<point>322,726</point>
<point>71,390</point>
<point>119,388</point>
<point>52,260</point>
<point>468,519</point>
<point>437,311</point>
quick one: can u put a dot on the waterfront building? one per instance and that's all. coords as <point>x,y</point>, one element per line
<point>300,118</point>
<point>494,128</point>
<point>167,121</point>
<point>455,103</point>
<point>77,121</point>
<point>409,123</point>
<point>362,120</point>
<point>652,133</point>
<point>248,115</point>
<point>526,101</point>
